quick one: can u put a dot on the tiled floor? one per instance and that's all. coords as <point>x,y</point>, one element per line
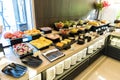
<point>104,68</point>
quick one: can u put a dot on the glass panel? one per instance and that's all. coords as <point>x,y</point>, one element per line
<point>14,15</point>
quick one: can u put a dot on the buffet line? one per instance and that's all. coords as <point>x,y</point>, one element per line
<point>61,46</point>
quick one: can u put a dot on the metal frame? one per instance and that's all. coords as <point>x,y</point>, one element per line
<point>5,23</point>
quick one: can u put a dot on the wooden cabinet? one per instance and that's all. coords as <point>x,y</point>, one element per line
<point>50,11</point>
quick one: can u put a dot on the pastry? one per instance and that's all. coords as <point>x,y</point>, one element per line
<point>59,44</point>
<point>68,40</point>
<point>41,42</point>
<point>65,42</point>
<point>32,32</point>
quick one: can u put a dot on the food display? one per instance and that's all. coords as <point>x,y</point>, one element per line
<point>32,32</point>
<point>67,24</point>
<point>81,39</point>
<point>64,31</point>
<point>87,26</point>
<point>64,44</point>
<point>59,25</point>
<point>104,21</point>
<point>46,29</point>
<point>94,23</point>
<point>74,31</point>
<point>54,37</point>
<point>41,42</point>
<point>81,22</point>
<point>81,28</point>
<point>60,44</point>
<point>97,23</point>
<point>99,26</point>
<point>14,35</point>
<point>22,49</point>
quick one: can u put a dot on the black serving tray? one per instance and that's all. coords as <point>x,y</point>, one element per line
<point>42,48</point>
<point>94,28</point>
<point>35,36</point>
<point>88,38</point>
<point>16,41</point>
<point>80,42</point>
<point>55,28</point>
<point>46,31</point>
<point>64,36</point>
<point>65,47</point>
<point>27,54</point>
<point>15,70</point>
<point>73,34</point>
<point>32,61</point>
<point>53,54</point>
<point>54,40</point>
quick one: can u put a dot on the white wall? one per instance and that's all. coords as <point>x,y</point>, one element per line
<point>8,13</point>
<point>110,13</point>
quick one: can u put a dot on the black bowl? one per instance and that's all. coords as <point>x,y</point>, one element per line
<point>80,41</point>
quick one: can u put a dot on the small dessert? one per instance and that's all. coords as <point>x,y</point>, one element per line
<point>59,44</point>
<point>32,32</point>
<point>64,31</point>
<point>65,42</point>
<point>59,24</point>
<point>81,28</point>
<point>74,30</point>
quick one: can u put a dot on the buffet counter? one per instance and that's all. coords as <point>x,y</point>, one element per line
<point>113,46</point>
<point>115,34</point>
<point>32,72</point>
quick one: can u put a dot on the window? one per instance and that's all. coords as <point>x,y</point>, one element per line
<point>16,14</point>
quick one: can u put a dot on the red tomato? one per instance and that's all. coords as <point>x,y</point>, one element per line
<point>8,35</point>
